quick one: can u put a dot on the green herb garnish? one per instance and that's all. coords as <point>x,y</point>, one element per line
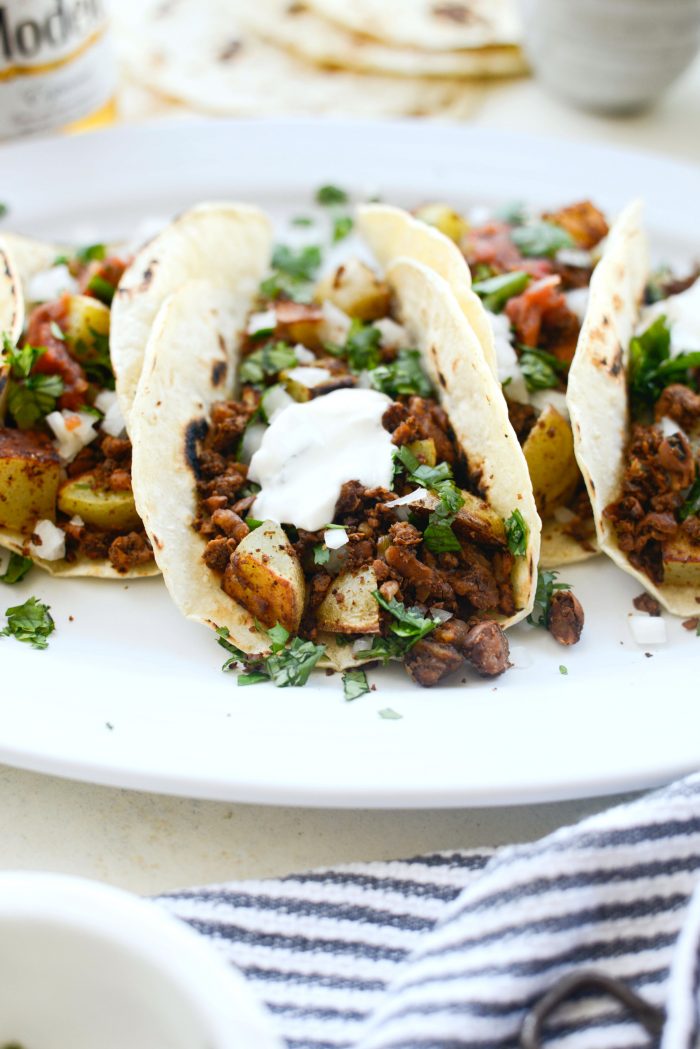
<point>3,210</point>
<point>409,623</point>
<point>691,506</point>
<point>402,377</point>
<point>495,291</point>
<point>91,253</point>
<point>513,213</point>
<point>302,220</point>
<point>342,227</point>
<point>293,273</point>
<point>355,684</point>
<point>271,359</point>
<point>438,535</point>
<point>546,585</point>
<point>101,289</point>
<point>29,397</point>
<point>540,369</point>
<point>331,195</point>
<point>390,715</point>
<point>321,554</point>
<point>17,568</point>
<point>562,669</point>
<point>289,663</point>
<point>361,348</point>
<point>516,534</point>
<point>95,359</point>
<point>652,368</point>
<point>30,623</point>
<point>540,239</point>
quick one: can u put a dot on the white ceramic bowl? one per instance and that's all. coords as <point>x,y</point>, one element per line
<point>86,966</point>
<point>610,55</point>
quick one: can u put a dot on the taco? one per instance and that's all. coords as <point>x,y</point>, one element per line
<point>636,417</point>
<point>327,474</point>
<point>74,323</point>
<point>530,273</point>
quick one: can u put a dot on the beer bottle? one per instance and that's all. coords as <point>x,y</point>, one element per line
<point>57,69</point>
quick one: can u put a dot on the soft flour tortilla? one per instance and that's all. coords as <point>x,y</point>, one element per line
<point>190,363</point>
<point>428,25</point>
<point>304,32</point>
<point>597,395</point>
<point>220,243</point>
<point>201,54</point>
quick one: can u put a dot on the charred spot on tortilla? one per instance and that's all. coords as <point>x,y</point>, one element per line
<point>230,50</point>
<point>157,541</point>
<point>442,379</point>
<point>197,430</point>
<point>218,372</point>
<point>146,278</point>
<point>462,14</point>
<point>616,364</point>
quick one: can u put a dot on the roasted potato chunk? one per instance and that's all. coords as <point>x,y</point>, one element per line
<point>476,521</point>
<point>357,290</point>
<point>584,223</point>
<point>424,451</point>
<point>549,451</point>
<point>86,327</point>
<point>444,218</point>
<point>349,607</point>
<point>681,560</point>
<point>30,472</point>
<point>299,322</point>
<point>304,383</point>
<point>101,507</point>
<point>264,575</point>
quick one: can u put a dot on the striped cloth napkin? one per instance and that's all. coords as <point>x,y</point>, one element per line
<point>454,950</point>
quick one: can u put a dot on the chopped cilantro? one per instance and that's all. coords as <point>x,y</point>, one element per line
<point>354,684</point>
<point>513,213</point>
<point>3,210</point>
<point>438,535</point>
<point>691,506</point>
<point>30,397</point>
<point>95,359</point>
<point>253,523</point>
<point>342,227</point>
<point>91,253</point>
<point>516,534</point>
<point>652,368</point>
<point>321,554</point>
<point>495,291</point>
<point>563,669</point>
<point>537,239</point>
<point>61,260</point>
<point>390,715</point>
<point>331,195</point>
<point>539,369</point>
<point>361,348</point>
<point>30,622</point>
<point>289,663</point>
<point>255,677</point>
<point>271,359</point>
<point>17,568</point>
<point>546,585</point>
<point>402,376</point>
<point>235,654</point>
<point>279,636</point>
<point>302,220</point>
<point>293,272</point>
<point>57,332</point>
<point>409,623</point>
<point>101,289</point>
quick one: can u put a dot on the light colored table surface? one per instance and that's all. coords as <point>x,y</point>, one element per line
<point>150,843</point>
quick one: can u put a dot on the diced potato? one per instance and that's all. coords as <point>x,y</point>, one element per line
<point>87,320</point>
<point>299,322</point>
<point>301,391</point>
<point>349,607</point>
<point>476,520</point>
<point>357,290</point>
<point>549,451</point>
<point>30,472</point>
<point>101,507</point>
<point>584,223</point>
<point>681,560</point>
<point>424,451</point>
<point>264,575</point>
<point>444,218</point>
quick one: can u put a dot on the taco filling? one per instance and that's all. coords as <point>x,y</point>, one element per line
<point>656,516</point>
<point>338,456</point>
<point>532,274</point>
<point>65,460</point>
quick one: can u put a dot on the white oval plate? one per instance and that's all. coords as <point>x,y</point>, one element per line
<point>130,694</point>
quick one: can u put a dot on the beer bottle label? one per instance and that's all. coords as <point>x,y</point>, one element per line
<point>56,64</point>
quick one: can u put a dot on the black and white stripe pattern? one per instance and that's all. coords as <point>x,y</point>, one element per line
<point>452,950</point>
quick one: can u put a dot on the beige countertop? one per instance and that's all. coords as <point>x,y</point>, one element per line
<point>149,843</point>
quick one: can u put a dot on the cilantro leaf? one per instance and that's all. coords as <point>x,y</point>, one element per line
<point>342,227</point>
<point>546,585</point>
<point>652,368</point>
<point>91,253</point>
<point>29,397</point>
<point>513,213</point>
<point>361,347</point>
<point>94,357</point>
<point>254,677</point>
<point>279,636</point>
<point>101,289</point>
<point>438,535</point>
<point>302,221</point>
<point>321,554</point>
<point>331,195</point>
<point>562,669</point>
<point>271,359</point>
<point>495,291</point>
<point>235,654</point>
<point>402,376</point>
<point>294,664</point>
<point>390,715</point>
<point>538,239</point>
<point>691,506</point>
<point>17,568</point>
<point>3,210</point>
<point>292,273</point>
<point>30,623</point>
<point>539,369</point>
<point>409,623</point>
<point>355,684</point>
<point>516,534</point>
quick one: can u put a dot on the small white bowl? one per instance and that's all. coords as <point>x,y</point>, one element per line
<point>613,56</point>
<point>86,966</point>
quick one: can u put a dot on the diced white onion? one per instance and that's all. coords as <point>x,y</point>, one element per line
<point>274,401</point>
<point>113,421</point>
<point>392,334</point>
<point>574,257</point>
<point>72,430</point>
<point>577,301</point>
<point>507,362</point>
<point>336,324</point>
<point>520,658</point>
<point>49,284</point>
<point>309,377</point>
<point>361,645</point>
<point>648,630</point>
<point>542,398</point>
<point>265,320</point>
<point>412,497</point>
<point>252,439</point>
<point>563,515</point>
<point>670,426</point>
<point>53,541</point>
<point>77,521</point>
<point>334,538</point>
<point>303,354</point>
<point>441,614</point>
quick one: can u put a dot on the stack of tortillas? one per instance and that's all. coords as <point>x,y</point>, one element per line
<point>354,57</point>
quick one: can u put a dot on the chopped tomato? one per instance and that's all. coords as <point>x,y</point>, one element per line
<point>57,360</point>
<point>109,270</point>
<point>541,318</point>
<point>491,246</point>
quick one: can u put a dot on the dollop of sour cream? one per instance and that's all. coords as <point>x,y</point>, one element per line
<point>312,448</point>
<point>682,313</point>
